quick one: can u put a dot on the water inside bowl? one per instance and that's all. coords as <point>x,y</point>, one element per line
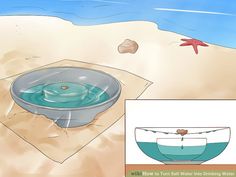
<point>211,150</point>
<point>64,95</point>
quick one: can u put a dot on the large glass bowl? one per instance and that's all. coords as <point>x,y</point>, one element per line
<point>182,145</point>
<point>71,84</point>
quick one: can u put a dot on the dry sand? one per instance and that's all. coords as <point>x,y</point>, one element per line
<point>177,72</point>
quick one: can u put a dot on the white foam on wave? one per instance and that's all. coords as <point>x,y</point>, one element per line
<point>194,11</point>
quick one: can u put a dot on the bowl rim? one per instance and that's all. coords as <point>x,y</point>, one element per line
<point>115,96</point>
<point>219,128</point>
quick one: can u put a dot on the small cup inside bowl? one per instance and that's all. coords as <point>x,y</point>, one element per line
<point>181,149</point>
<point>64,92</point>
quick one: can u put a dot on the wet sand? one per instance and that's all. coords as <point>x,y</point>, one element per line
<point>176,72</point>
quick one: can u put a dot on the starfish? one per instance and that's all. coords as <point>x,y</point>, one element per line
<point>194,43</point>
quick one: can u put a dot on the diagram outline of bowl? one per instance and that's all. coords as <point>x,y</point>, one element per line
<point>101,90</point>
<point>216,138</point>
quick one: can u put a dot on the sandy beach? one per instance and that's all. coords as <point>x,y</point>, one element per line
<point>176,72</point>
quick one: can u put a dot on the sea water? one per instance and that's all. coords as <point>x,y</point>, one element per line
<point>64,95</point>
<point>211,150</point>
<point>211,21</point>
